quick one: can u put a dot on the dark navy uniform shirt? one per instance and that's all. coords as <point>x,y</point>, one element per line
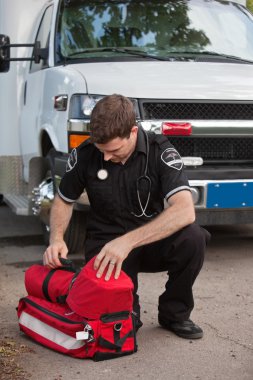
<point>114,201</point>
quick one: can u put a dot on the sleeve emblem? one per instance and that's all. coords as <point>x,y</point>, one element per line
<point>172,158</point>
<point>72,160</point>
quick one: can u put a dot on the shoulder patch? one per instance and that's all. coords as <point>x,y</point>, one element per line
<point>172,158</point>
<point>72,160</point>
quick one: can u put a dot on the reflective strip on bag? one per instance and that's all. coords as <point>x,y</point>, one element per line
<point>49,332</point>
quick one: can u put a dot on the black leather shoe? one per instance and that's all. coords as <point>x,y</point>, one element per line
<point>184,329</point>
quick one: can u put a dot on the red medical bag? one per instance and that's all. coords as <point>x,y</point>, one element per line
<point>96,321</point>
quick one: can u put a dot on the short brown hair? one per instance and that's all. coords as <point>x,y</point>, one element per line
<point>113,116</point>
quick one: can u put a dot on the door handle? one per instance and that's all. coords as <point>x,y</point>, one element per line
<point>25,90</point>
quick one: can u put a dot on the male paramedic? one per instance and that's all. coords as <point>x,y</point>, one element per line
<point>128,173</point>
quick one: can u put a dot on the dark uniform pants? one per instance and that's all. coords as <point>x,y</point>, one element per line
<point>182,256</point>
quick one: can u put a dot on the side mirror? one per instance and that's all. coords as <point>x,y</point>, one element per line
<point>4,53</point>
<point>5,48</point>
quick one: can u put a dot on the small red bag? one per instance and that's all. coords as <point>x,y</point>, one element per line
<point>50,284</point>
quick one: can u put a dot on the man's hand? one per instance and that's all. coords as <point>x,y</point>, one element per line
<point>52,254</point>
<point>111,257</point>
<point>59,219</point>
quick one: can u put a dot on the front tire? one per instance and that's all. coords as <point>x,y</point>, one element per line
<point>75,235</point>
<point>76,232</point>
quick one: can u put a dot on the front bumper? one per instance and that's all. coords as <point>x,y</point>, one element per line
<point>222,195</point>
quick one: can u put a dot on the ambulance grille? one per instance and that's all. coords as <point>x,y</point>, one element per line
<point>215,149</point>
<point>186,110</point>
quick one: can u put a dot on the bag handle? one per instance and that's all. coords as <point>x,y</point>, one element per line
<point>69,266</point>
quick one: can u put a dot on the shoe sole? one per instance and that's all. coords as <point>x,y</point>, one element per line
<point>198,335</point>
<point>186,336</point>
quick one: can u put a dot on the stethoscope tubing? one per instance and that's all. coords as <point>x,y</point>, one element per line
<point>102,174</point>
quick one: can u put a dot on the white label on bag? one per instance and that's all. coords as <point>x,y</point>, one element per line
<point>82,335</point>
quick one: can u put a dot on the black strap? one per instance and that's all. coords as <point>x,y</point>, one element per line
<point>45,284</point>
<point>60,299</point>
<point>117,345</point>
<point>116,337</point>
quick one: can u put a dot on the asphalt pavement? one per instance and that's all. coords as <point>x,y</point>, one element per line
<point>223,308</point>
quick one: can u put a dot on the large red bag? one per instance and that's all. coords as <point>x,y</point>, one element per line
<point>56,326</point>
<point>91,296</point>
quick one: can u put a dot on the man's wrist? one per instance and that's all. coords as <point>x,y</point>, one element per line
<point>128,239</point>
<point>56,239</point>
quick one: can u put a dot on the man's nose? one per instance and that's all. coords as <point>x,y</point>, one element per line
<point>107,156</point>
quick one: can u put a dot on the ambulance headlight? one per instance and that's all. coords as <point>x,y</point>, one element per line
<point>81,106</point>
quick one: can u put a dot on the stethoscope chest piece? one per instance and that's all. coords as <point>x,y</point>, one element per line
<point>102,174</point>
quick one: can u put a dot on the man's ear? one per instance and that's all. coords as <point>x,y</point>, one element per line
<point>134,130</point>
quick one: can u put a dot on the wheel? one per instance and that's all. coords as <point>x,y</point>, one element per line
<point>75,234</point>
<point>43,196</point>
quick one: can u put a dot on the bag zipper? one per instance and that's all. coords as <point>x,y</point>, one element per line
<point>52,314</point>
<point>111,317</point>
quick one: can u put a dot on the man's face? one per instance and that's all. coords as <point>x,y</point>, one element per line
<point>119,149</point>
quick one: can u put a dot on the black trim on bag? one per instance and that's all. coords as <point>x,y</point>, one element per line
<point>99,356</point>
<point>111,317</point>
<point>134,317</point>
<point>51,313</point>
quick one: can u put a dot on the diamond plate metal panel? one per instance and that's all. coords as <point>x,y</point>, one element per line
<point>11,175</point>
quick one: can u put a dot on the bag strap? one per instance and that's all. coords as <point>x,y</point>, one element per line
<point>62,298</point>
<point>117,345</point>
<point>45,284</point>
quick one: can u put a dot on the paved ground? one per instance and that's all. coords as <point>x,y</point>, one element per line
<point>224,308</point>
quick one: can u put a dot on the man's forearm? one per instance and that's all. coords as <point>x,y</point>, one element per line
<point>171,220</point>
<point>60,216</point>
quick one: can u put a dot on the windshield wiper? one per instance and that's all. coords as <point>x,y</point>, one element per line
<point>211,53</point>
<point>121,50</point>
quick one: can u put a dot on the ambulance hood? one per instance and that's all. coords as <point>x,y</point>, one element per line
<point>169,80</point>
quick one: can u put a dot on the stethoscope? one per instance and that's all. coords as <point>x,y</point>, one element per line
<point>102,174</point>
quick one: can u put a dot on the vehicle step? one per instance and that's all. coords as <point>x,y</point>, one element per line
<point>18,203</point>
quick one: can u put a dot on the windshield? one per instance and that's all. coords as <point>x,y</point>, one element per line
<point>112,30</point>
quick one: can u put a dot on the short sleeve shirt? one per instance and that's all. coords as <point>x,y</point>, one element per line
<point>132,194</point>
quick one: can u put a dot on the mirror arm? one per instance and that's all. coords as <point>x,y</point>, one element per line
<point>38,53</point>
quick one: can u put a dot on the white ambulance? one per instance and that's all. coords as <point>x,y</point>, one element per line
<point>187,65</point>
